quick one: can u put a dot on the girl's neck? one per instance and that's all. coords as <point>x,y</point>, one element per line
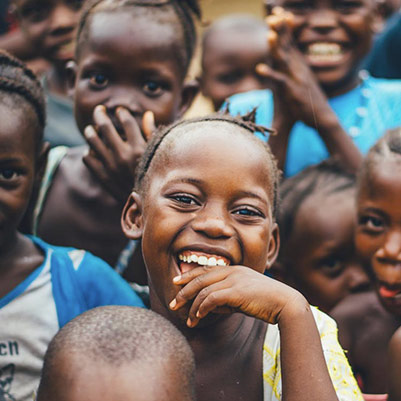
<point>56,80</point>
<point>346,86</point>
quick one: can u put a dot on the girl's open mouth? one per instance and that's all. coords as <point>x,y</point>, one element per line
<point>188,260</point>
<point>324,52</point>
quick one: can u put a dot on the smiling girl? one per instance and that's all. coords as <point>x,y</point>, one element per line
<point>322,104</point>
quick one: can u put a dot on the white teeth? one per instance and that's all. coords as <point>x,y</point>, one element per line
<point>202,260</point>
<point>212,262</point>
<point>324,49</point>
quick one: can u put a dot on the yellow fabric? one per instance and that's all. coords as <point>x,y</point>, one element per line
<point>340,372</point>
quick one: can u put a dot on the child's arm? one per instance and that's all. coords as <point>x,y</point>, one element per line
<point>113,159</point>
<point>395,367</point>
<point>298,96</point>
<point>240,289</point>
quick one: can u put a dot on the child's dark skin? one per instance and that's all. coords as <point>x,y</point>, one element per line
<point>229,58</point>
<point>49,25</point>
<point>19,167</point>
<point>201,203</point>
<point>378,242</point>
<point>304,80</point>
<point>128,66</point>
<point>319,258</point>
<point>395,367</point>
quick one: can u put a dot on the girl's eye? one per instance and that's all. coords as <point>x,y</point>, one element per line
<point>332,266</point>
<point>187,200</point>
<point>75,4</point>
<point>246,211</point>
<point>372,223</point>
<point>347,5</point>
<point>153,88</point>
<point>8,174</point>
<point>98,80</point>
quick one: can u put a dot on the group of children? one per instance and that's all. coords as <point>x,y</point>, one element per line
<point>233,252</point>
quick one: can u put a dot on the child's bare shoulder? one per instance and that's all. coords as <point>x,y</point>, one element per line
<point>76,208</point>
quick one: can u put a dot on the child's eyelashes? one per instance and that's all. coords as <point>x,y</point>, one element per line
<point>248,211</point>
<point>153,88</point>
<point>371,223</point>
<point>98,80</point>
<point>184,199</point>
<point>332,266</point>
<point>298,6</point>
<point>346,6</point>
<point>230,78</point>
<point>9,175</point>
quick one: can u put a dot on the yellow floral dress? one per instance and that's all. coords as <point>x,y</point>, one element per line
<point>340,372</point>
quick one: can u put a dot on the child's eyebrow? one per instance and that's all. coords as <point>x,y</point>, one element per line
<point>186,180</point>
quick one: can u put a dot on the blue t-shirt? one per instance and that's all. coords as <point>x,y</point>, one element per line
<point>68,283</point>
<point>365,113</point>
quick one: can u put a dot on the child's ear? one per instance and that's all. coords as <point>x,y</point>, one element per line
<point>274,246</point>
<point>189,91</point>
<point>71,68</point>
<point>132,219</point>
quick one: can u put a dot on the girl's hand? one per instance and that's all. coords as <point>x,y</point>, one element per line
<point>233,289</point>
<point>297,94</point>
<point>113,157</point>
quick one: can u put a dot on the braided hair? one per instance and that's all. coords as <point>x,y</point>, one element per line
<point>184,10</point>
<point>248,128</point>
<point>20,85</point>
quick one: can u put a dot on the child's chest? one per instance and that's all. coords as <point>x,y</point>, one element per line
<point>237,376</point>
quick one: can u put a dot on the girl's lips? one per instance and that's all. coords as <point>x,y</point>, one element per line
<point>385,292</point>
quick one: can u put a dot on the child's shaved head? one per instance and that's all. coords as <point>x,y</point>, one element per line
<point>118,352</point>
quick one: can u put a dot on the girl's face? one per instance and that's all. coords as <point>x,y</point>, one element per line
<point>378,234</point>
<point>50,26</point>
<point>334,36</point>
<point>320,254</point>
<point>17,168</point>
<point>130,62</point>
<point>209,199</point>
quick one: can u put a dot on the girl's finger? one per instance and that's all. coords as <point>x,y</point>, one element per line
<point>106,129</point>
<point>269,73</point>
<point>217,301</point>
<point>196,285</point>
<point>148,124</point>
<point>131,127</point>
<point>97,146</point>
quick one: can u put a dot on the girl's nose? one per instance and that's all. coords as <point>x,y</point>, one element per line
<point>213,225</point>
<point>323,20</point>
<point>391,248</point>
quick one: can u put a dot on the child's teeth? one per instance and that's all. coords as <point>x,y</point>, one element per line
<point>202,260</point>
<point>212,262</point>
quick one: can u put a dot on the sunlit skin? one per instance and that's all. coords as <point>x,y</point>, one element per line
<point>19,166</point>
<point>209,196</point>
<point>228,63</point>
<point>347,23</point>
<point>320,257</point>
<point>378,236</point>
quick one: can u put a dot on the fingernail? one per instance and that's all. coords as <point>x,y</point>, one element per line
<point>100,108</point>
<point>173,304</point>
<point>198,315</point>
<point>189,322</point>
<point>176,279</point>
<point>89,132</point>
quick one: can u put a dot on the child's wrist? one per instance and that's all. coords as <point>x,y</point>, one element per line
<point>295,309</point>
